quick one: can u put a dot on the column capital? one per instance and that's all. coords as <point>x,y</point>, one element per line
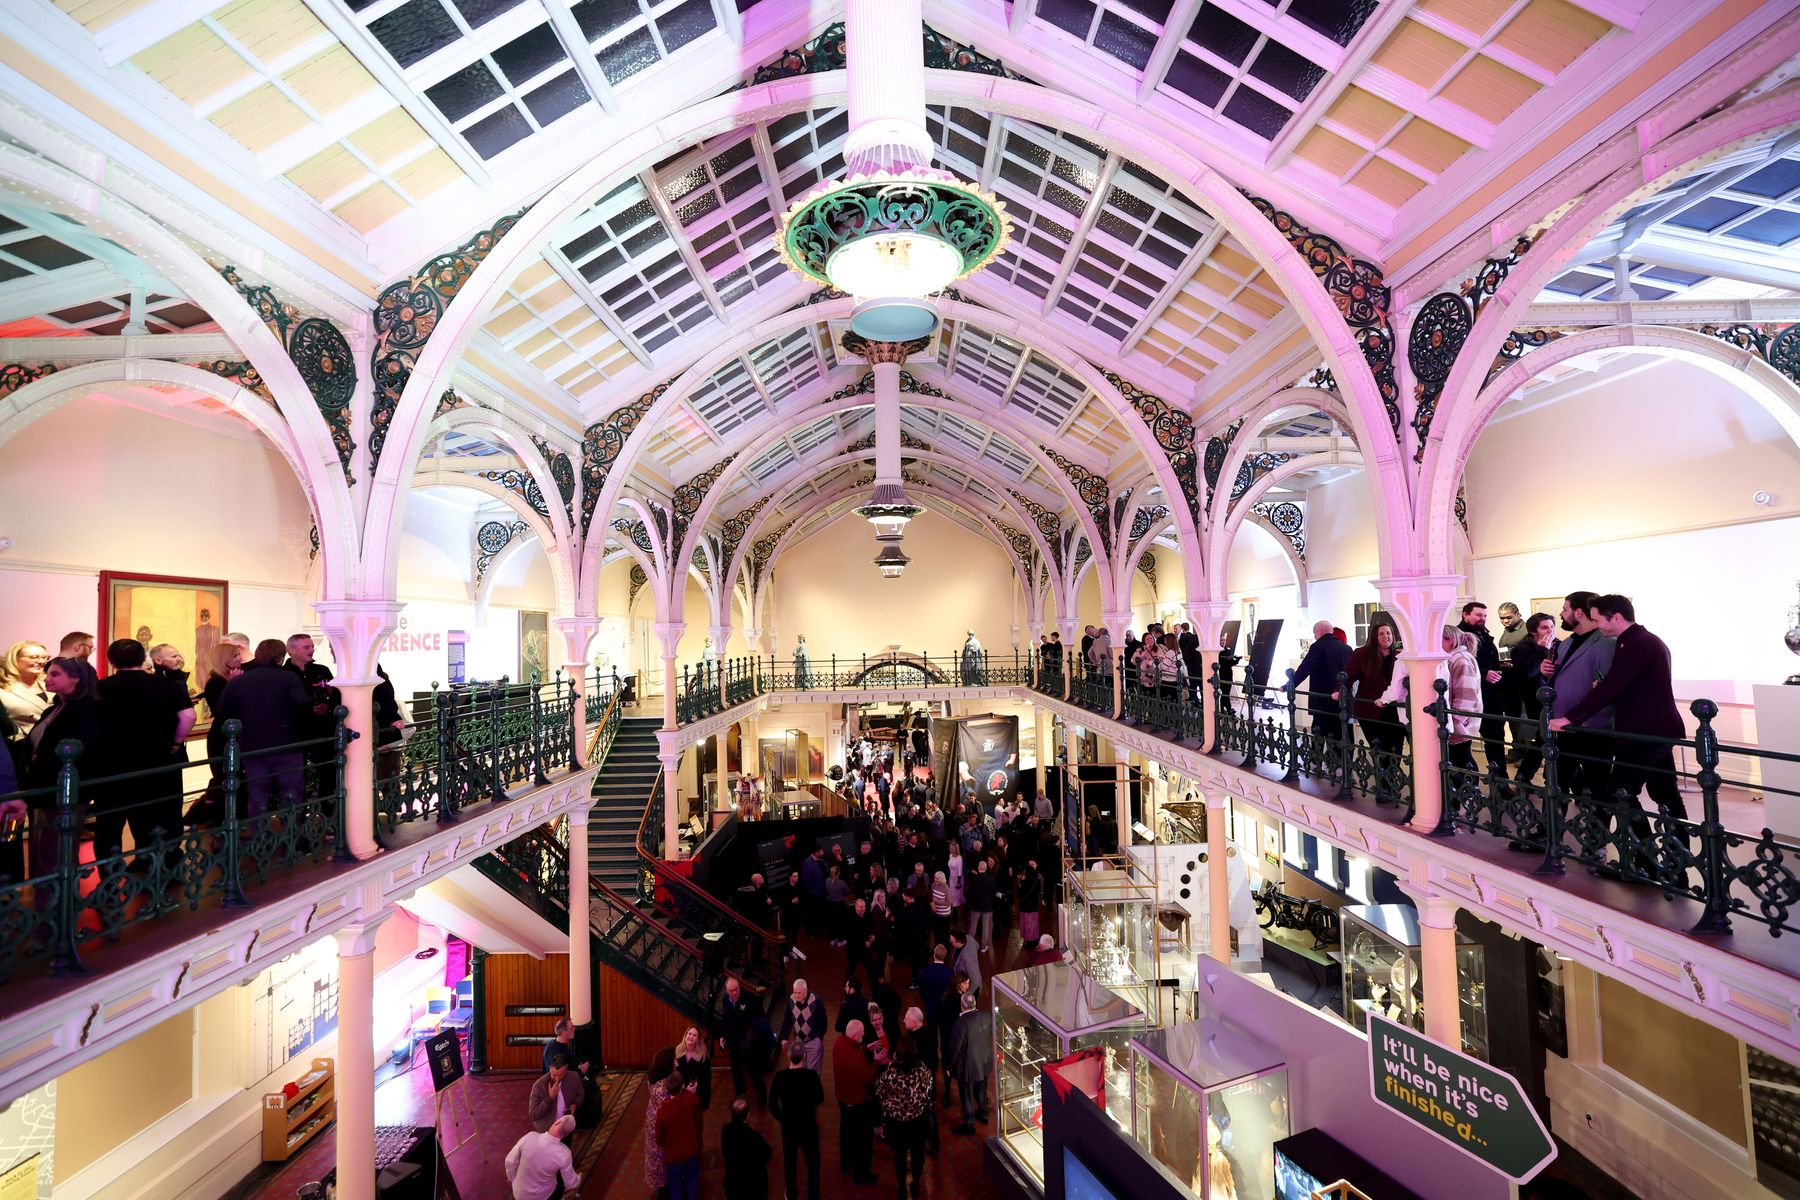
<point>359,939</point>
<point>1215,798</point>
<point>1206,616</point>
<point>577,632</point>
<point>1437,910</point>
<point>579,814</point>
<point>356,629</point>
<point>1421,605</point>
<point>670,634</point>
<point>1116,621</point>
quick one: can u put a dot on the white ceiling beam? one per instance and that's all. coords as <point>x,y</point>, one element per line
<point>1624,13</point>
<point>1162,56</point>
<point>1772,311</point>
<point>1709,256</point>
<point>1719,181</point>
<point>138,31</point>
<point>565,270</point>
<point>1200,253</point>
<point>174,347</point>
<point>1083,230</point>
<point>1020,17</point>
<point>375,59</point>
<point>575,45</point>
<point>665,213</point>
<point>40,295</point>
<point>725,15</point>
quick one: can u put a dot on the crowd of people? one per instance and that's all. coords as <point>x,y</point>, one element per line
<point>1166,663</point>
<point>134,726</point>
<point>939,891</point>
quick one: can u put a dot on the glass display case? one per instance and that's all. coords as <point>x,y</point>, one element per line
<point>1042,1014</point>
<point>1111,925</point>
<point>1381,972</point>
<point>1209,1103</point>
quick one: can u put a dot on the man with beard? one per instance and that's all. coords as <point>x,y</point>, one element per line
<point>1581,660</point>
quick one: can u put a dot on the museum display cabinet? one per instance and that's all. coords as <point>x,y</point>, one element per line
<point>1110,919</point>
<point>1381,972</point>
<point>1043,1014</point>
<point>1209,1103</point>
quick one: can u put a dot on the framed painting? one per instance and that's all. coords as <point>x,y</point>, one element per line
<point>189,614</point>
<point>534,645</point>
<point>1546,604</point>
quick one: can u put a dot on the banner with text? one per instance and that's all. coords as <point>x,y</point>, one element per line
<point>1479,1110</point>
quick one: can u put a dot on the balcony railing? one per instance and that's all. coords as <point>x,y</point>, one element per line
<point>213,831</point>
<point>1729,873</point>
<point>711,686</point>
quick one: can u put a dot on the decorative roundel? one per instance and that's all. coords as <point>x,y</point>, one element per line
<point>492,537</point>
<point>1287,517</point>
<point>323,357</point>
<point>406,315</point>
<point>563,472</point>
<point>1784,352</point>
<point>1437,336</point>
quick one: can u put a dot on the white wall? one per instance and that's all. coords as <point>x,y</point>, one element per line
<point>96,486</point>
<point>827,589</point>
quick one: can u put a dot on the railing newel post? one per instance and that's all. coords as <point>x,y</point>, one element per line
<point>342,735</point>
<point>449,766</point>
<point>496,703</point>
<point>1293,758</point>
<point>1440,708</point>
<point>1346,734</point>
<point>234,847</point>
<point>1715,878</point>
<point>64,959</point>
<point>1553,803</point>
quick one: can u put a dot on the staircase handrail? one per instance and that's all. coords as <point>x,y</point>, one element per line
<point>607,726</point>
<point>755,937</point>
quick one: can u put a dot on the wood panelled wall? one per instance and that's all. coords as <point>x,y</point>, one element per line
<point>634,1025</point>
<point>521,979</point>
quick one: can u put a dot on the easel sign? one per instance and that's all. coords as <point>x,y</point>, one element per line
<point>443,1052</point>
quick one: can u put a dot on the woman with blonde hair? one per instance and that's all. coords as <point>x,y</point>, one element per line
<point>22,693</point>
<point>693,1060</point>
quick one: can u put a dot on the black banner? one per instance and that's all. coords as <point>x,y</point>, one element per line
<point>772,860</point>
<point>987,754</point>
<point>943,762</point>
<point>1262,650</point>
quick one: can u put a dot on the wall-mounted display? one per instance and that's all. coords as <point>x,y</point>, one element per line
<point>189,614</point>
<point>1042,1014</point>
<point>1382,973</point>
<point>534,646</point>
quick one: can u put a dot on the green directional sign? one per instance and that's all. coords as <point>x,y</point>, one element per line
<point>1475,1108</point>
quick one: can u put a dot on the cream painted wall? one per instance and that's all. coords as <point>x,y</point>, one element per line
<point>826,588</point>
<point>97,486</point>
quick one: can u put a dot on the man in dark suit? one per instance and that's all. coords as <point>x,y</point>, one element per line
<point>1325,658</point>
<point>1493,691</point>
<point>1640,690</point>
<point>144,722</point>
<point>271,703</point>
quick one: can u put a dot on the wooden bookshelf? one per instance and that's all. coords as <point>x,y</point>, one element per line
<point>290,1124</point>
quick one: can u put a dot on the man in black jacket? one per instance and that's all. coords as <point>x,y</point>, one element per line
<point>318,722</point>
<point>794,1099</point>
<point>1324,660</point>
<point>1493,698</point>
<point>746,1154</point>
<point>271,703</point>
<point>144,723</point>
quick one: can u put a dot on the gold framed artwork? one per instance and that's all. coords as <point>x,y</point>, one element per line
<point>534,645</point>
<point>189,614</point>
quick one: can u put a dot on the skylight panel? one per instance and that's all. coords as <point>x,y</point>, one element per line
<point>987,361</point>
<point>787,364</point>
<point>1048,392</point>
<point>1256,75</point>
<point>727,399</point>
<point>771,460</point>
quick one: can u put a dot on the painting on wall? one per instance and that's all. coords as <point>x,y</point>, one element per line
<point>189,614</point>
<point>534,645</point>
<point>1545,604</point>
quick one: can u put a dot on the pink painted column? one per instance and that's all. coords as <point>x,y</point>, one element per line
<point>670,634</point>
<point>1071,648</point>
<point>355,1082</point>
<point>1115,624</point>
<point>1218,879</point>
<point>581,969</point>
<point>1207,617</point>
<point>1437,964</point>
<point>1421,606</point>
<point>577,632</point>
<point>356,629</point>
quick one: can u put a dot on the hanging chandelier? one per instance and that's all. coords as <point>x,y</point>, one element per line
<point>892,560</point>
<point>894,230</point>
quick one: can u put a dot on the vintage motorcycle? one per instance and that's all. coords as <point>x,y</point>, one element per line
<point>1275,907</point>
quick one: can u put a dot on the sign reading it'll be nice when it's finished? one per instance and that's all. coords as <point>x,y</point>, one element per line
<point>1477,1109</point>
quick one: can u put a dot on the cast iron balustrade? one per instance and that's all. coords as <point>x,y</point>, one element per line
<point>480,741</point>
<point>713,685</point>
<point>52,915</point>
<point>1170,707</point>
<point>1727,872</point>
<point>666,960</point>
<point>1092,689</point>
<point>756,953</point>
<point>1261,723</point>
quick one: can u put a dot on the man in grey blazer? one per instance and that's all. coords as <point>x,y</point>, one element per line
<point>1581,660</point>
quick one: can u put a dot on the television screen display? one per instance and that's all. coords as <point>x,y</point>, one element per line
<point>1079,1183</point>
